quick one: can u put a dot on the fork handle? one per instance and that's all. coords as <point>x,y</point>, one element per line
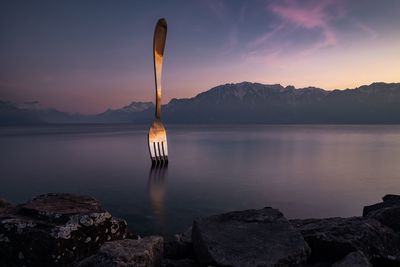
<point>160,35</point>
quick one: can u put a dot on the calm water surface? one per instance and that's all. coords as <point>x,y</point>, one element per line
<point>305,171</point>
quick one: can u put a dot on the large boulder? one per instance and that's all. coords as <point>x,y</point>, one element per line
<point>332,239</point>
<point>143,252</point>
<point>391,198</point>
<point>387,216</point>
<point>55,229</point>
<point>248,238</point>
<point>4,205</point>
<point>354,259</point>
<point>386,212</point>
<point>179,246</point>
<point>179,263</point>
<point>389,201</point>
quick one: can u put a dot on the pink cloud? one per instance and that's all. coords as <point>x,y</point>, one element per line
<point>277,45</point>
<point>309,15</point>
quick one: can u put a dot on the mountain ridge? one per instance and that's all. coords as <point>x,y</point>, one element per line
<point>243,102</point>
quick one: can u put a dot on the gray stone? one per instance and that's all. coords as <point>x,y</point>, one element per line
<point>179,263</point>
<point>187,235</point>
<point>318,264</point>
<point>388,216</point>
<point>4,205</point>
<point>389,201</point>
<point>332,239</point>
<point>386,212</point>
<point>179,246</point>
<point>390,198</point>
<point>248,238</point>
<point>55,229</point>
<point>144,252</point>
<point>354,259</point>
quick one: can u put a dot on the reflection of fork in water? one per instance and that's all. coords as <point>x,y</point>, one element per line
<point>157,193</point>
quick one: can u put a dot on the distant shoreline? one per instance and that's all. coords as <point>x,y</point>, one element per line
<point>240,103</point>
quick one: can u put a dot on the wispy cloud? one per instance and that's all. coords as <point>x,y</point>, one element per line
<point>266,36</point>
<point>310,15</point>
<point>231,43</point>
<point>222,11</point>
<point>301,28</point>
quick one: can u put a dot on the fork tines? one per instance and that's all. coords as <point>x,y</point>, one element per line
<point>158,152</point>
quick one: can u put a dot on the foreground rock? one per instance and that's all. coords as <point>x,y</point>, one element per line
<point>179,246</point>
<point>332,239</point>
<point>354,259</point>
<point>388,202</point>
<point>4,205</point>
<point>178,251</point>
<point>248,238</point>
<point>71,230</point>
<point>55,229</point>
<point>386,212</point>
<point>179,263</point>
<point>144,252</point>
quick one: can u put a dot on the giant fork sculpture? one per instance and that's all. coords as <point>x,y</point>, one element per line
<point>157,136</point>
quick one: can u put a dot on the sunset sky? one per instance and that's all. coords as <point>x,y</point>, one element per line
<point>87,56</point>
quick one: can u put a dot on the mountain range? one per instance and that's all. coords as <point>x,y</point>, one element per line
<point>377,103</point>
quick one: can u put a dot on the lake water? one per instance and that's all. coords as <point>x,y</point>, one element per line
<point>305,171</point>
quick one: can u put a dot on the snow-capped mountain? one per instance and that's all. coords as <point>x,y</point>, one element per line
<point>241,103</point>
<point>132,107</point>
<point>260,103</point>
<point>138,106</point>
<point>125,114</point>
<point>32,112</point>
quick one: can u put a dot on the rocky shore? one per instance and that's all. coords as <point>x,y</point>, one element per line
<point>73,230</point>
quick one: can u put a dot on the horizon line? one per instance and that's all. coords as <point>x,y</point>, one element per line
<point>176,98</point>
